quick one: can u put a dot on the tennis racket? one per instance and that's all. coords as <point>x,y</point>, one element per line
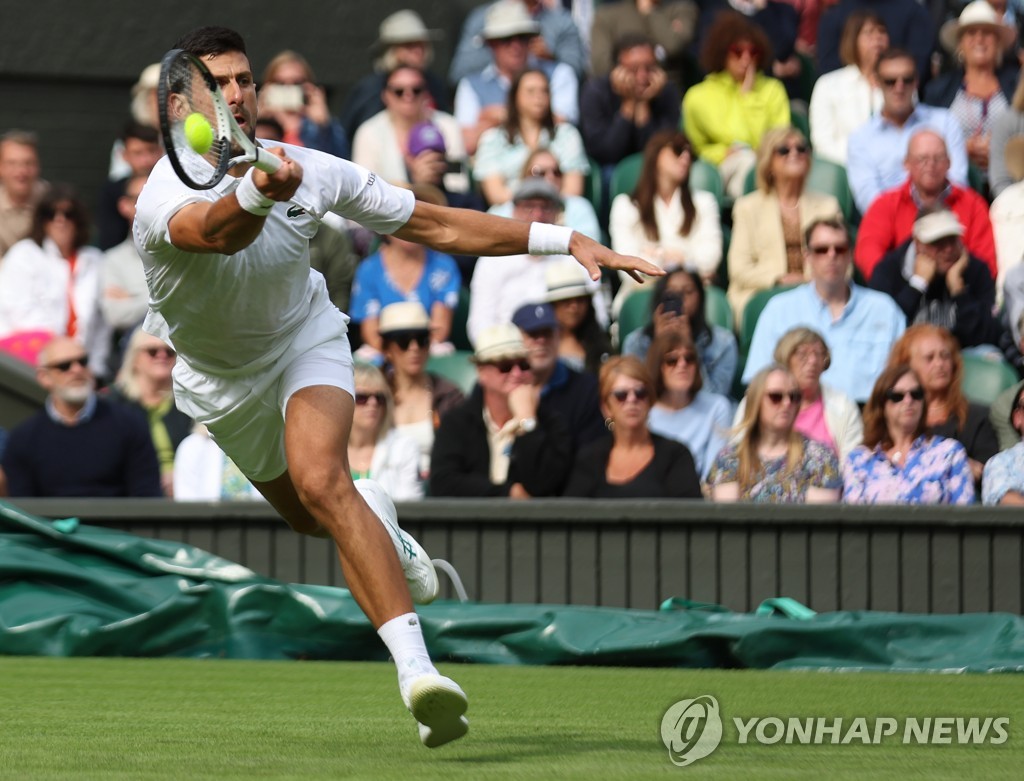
<point>186,88</point>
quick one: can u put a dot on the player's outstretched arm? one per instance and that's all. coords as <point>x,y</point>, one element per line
<point>468,232</point>
<point>232,223</point>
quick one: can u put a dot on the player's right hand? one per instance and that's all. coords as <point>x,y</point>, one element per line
<point>282,184</point>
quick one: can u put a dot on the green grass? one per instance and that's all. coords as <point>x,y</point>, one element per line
<point>213,719</point>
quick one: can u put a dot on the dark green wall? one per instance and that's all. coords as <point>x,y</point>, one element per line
<point>66,68</point>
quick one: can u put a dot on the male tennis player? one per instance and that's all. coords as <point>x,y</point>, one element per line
<point>264,361</point>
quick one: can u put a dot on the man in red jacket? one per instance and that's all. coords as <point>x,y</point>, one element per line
<point>890,218</point>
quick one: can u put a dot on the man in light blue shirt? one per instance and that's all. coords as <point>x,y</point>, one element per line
<point>877,149</point>
<point>859,325</point>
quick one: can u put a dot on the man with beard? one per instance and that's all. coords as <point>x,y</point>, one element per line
<point>81,444</point>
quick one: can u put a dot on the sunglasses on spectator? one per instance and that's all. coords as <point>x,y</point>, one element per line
<point>404,339</point>
<point>904,81</point>
<point>785,149</point>
<point>50,212</point>
<point>895,396</point>
<point>539,170</point>
<point>399,92</point>
<point>362,399</point>
<point>671,361</point>
<point>506,366</point>
<point>738,50</point>
<point>63,366</point>
<point>776,397</point>
<point>825,249</point>
<point>640,394</point>
<point>160,352</point>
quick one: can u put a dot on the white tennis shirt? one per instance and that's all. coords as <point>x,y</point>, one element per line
<point>232,315</point>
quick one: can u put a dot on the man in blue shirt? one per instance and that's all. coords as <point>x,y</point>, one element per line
<point>877,149</point>
<point>859,325</point>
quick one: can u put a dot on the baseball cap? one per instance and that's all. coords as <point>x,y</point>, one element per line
<point>937,225</point>
<point>425,136</point>
<point>535,317</point>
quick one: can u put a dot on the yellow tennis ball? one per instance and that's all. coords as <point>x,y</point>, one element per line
<point>198,132</point>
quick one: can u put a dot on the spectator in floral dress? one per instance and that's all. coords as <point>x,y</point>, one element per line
<point>1003,479</point>
<point>900,462</point>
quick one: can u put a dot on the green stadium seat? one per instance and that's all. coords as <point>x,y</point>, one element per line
<point>457,368</point>
<point>592,187</point>
<point>625,175</point>
<point>830,178</point>
<point>704,176</point>
<point>753,310</point>
<point>986,376</point>
<point>716,307</point>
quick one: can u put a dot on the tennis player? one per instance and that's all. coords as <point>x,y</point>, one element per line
<point>264,360</point>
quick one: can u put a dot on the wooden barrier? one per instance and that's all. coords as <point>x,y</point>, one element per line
<point>636,554</point>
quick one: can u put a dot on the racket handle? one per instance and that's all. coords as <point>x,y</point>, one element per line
<point>265,161</point>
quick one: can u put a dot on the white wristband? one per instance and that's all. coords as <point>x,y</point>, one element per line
<point>548,239</point>
<point>251,199</point>
<point>919,283</point>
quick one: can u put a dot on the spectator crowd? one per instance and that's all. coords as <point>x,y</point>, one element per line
<point>835,189</point>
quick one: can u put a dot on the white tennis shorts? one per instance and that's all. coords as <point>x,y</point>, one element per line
<point>245,414</point>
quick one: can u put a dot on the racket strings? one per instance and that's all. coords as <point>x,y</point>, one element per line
<point>188,92</point>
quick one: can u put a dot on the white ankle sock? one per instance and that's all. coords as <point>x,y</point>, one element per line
<point>404,639</point>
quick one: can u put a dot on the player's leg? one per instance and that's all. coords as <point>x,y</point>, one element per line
<point>317,423</point>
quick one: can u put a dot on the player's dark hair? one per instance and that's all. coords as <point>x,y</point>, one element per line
<point>135,129</point>
<point>205,41</point>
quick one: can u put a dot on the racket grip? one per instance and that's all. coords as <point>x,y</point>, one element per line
<point>265,161</point>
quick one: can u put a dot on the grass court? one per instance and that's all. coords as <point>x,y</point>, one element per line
<point>215,719</point>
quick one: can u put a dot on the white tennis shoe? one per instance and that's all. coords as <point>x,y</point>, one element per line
<point>419,571</point>
<point>438,704</point>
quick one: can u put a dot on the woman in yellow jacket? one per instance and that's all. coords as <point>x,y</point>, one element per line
<point>726,115</point>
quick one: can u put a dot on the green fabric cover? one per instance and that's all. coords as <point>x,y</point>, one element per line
<point>67,589</point>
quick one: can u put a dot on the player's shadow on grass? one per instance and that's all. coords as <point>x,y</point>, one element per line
<point>551,744</point>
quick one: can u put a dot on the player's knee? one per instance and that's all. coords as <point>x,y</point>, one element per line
<point>320,486</point>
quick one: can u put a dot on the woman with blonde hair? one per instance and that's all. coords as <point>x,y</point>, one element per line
<point>934,355</point>
<point>375,449</point>
<point>144,381</point>
<point>768,224</point>
<point>290,95</point>
<point>768,461</point>
<point>826,414</point>
<point>977,91</point>
<point>843,100</point>
<point>1010,125</point>
<point>663,220</point>
<point>631,462</point>
<point>900,462</point>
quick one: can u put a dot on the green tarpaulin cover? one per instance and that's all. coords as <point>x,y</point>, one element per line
<point>67,589</point>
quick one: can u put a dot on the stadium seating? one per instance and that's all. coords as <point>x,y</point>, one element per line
<point>456,367</point>
<point>625,175</point>
<point>703,176</point>
<point>986,376</point>
<point>637,306</point>
<point>459,337</point>
<point>753,310</point>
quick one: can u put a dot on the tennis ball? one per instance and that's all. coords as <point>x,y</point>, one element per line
<point>198,132</point>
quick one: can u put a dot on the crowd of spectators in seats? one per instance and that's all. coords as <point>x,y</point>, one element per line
<point>835,189</point>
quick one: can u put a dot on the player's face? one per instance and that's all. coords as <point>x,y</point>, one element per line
<point>234,77</point>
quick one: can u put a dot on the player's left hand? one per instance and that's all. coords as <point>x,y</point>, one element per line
<point>592,256</point>
<point>282,184</point>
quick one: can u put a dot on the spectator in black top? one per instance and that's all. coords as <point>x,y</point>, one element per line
<point>141,151</point>
<point>565,391</point>
<point>631,462</point>
<point>500,441</point>
<point>621,111</point>
<point>80,445</point>
<point>935,280</point>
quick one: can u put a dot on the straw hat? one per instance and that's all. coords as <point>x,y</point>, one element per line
<point>499,342</point>
<point>403,316</point>
<point>403,27</point>
<point>507,19</point>
<point>566,280</point>
<point>976,14</point>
